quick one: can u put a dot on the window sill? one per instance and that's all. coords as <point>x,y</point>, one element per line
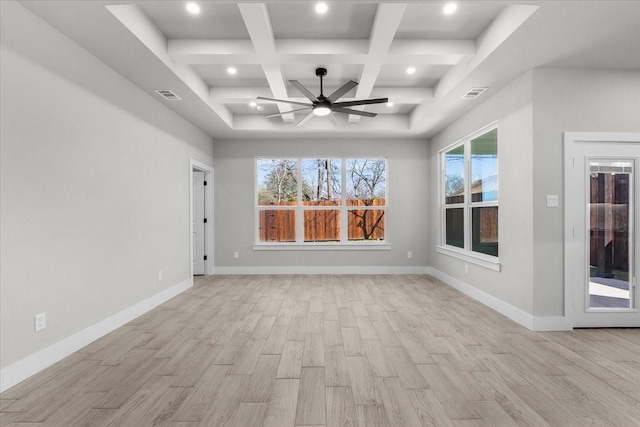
<point>322,247</point>
<point>492,263</point>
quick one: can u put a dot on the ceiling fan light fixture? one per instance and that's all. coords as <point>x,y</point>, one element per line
<point>321,110</point>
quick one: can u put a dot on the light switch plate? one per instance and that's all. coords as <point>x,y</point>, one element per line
<point>552,200</point>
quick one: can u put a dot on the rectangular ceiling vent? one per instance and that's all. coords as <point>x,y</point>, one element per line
<point>168,95</point>
<point>474,92</point>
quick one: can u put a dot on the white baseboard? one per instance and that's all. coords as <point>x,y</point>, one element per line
<point>36,362</point>
<point>529,321</point>
<point>320,270</point>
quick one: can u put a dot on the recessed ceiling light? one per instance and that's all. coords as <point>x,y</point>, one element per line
<point>252,104</point>
<point>411,70</point>
<point>390,104</point>
<point>232,70</point>
<point>449,8</point>
<point>321,8</point>
<point>193,8</point>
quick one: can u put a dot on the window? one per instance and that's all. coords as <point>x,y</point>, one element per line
<point>470,194</point>
<point>321,200</point>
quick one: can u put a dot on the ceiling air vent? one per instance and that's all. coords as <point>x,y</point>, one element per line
<point>474,92</point>
<point>168,95</point>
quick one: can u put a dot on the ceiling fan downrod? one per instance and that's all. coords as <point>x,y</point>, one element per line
<point>321,72</point>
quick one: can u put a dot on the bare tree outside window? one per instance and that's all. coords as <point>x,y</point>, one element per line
<point>277,181</point>
<point>366,186</point>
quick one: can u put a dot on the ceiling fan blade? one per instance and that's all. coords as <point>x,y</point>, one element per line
<point>285,101</point>
<point>342,90</point>
<point>361,102</point>
<point>305,119</point>
<point>350,111</point>
<point>306,92</point>
<point>286,112</point>
<point>333,119</point>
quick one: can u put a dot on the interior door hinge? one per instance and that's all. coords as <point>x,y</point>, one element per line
<point>205,220</point>
<point>205,257</point>
<point>205,183</point>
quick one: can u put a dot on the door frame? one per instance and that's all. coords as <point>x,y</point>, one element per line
<point>208,212</point>
<point>571,139</point>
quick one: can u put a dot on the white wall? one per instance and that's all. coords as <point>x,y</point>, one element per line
<point>408,216</point>
<point>512,109</point>
<point>566,100</point>
<point>94,188</point>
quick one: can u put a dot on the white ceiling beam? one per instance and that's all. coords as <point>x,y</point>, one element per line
<point>198,51</point>
<point>385,26</point>
<point>243,95</point>
<point>256,19</point>
<point>419,52</point>
<point>433,47</point>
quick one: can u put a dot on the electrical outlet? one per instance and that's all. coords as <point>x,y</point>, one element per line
<point>409,254</point>
<point>159,276</point>
<point>552,200</point>
<point>236,255</point>
<point>40,321</point>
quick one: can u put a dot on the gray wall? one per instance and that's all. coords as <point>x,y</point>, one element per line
<point>94,188</point>
<point>533,112</point>
<point>408,217</point>
<point>512,108</point>
<point>569,100</point>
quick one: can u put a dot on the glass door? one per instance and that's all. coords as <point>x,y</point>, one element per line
<point>610,209</point>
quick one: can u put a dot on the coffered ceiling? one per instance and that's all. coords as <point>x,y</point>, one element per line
<point>160,45</point>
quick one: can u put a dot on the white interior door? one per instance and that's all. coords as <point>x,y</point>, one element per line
<point>198,222</point>
<point>602,191</point>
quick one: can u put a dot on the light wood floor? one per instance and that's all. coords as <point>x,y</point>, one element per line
<point>334,350</point>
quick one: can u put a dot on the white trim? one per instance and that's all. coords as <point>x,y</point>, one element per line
<point>321,247</point>
<point>208,212</point>
<point>492,263</point>
<point>468,204</point>
<point>36,362</point>
<point>535,323</point>
<point>321,270</point>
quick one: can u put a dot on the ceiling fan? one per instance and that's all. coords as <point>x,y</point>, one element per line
<point>325,105</point>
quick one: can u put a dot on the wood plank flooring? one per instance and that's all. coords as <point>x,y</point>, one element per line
<point>334,351</point>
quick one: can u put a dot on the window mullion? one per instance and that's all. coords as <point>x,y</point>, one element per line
<point>299,208</point>
<point>467,195</point>
<point>344,217</point>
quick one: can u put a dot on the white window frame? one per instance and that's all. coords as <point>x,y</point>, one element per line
<point>466,254</point>
<point>299,208</point>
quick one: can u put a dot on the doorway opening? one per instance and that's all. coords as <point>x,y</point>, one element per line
<point>201,219</point>
<point>602,240</point>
